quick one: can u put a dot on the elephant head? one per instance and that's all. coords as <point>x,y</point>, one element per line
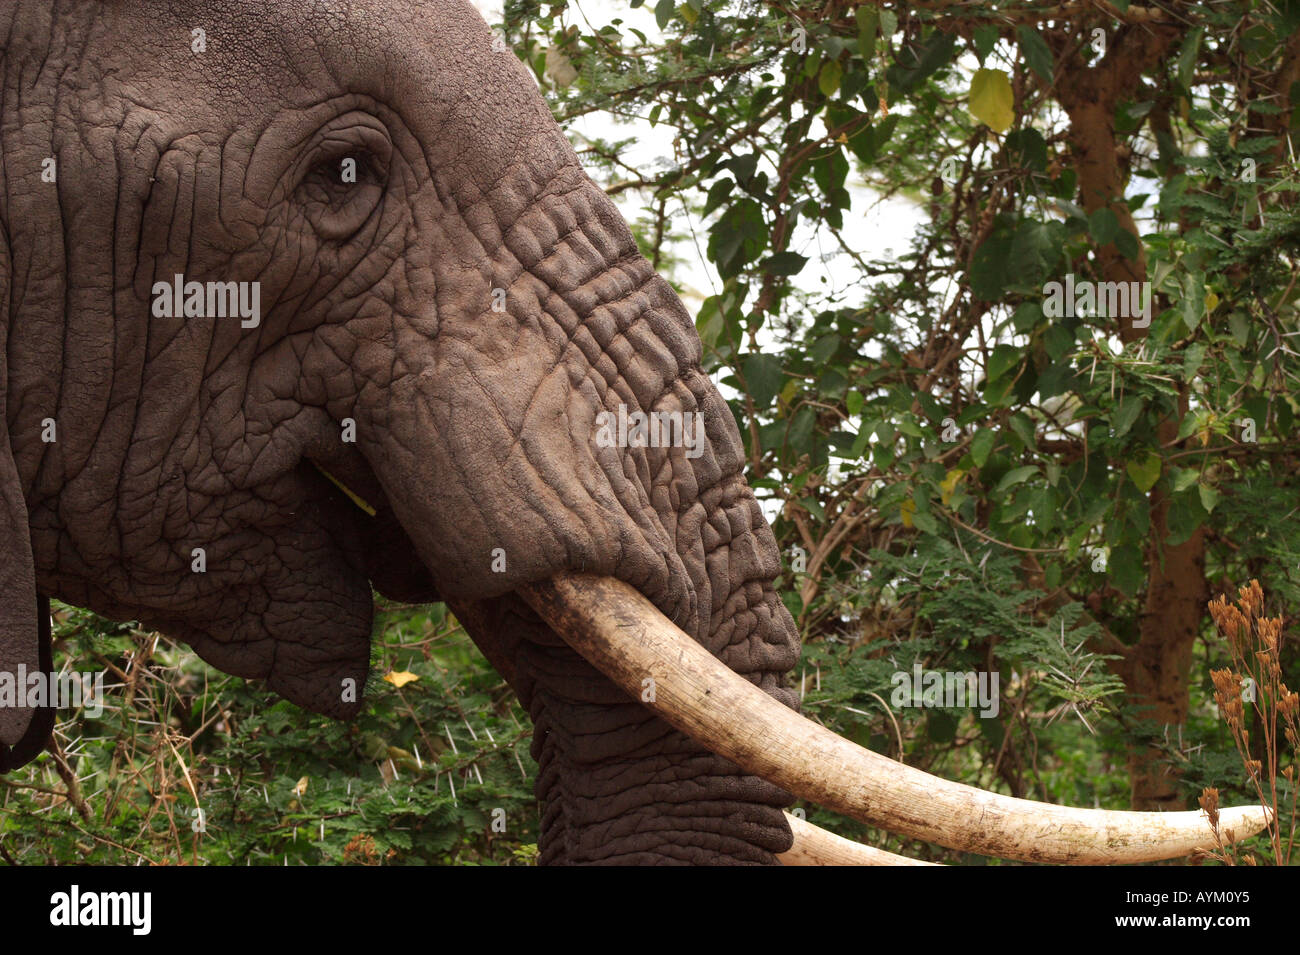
<point>305,298</point>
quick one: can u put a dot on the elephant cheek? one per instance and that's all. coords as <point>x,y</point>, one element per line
<point>301,622</point>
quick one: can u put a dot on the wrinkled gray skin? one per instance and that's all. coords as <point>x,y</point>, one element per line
<point>475,429</point>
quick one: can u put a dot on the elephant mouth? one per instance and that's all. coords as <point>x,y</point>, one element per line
<point>628,639</point>
<point>383,548</point>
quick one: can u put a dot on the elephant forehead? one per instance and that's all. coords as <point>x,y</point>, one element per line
<point>476,108</point>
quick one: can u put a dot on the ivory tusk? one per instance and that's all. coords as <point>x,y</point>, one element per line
<point>625,637</point>
<point>815,846</point>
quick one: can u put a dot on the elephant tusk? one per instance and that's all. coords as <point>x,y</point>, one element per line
<point>815,846</point>
<point>625,637</point>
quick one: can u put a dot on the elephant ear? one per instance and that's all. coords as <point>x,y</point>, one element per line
<point>24,616</point>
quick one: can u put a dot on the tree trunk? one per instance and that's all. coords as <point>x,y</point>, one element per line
<point>1156,669</point>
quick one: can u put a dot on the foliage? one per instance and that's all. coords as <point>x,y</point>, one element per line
<point>186,765</point>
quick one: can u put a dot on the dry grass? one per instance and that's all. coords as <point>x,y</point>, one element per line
<point>1255,678</point>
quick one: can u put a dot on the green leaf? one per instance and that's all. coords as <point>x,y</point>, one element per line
<point>1209,497</point>
<point>1192,359</point>
<point>737,237</point>
<point>1183,478</point>
<point>925,522</point>
<point>799,436</point>
<point>990,728</point>
<point>1023,426</point>
<point>860,443</point>
<point>1128,244</point>
<point>1186,514</point>
<point>822,350</point>
<point>1103,225</point>
<point>1015,476</point>
<point>785,263</point>
<point>1035,51</point>
<point>916,62</point>
<point>853,402</point>
<point>1193,299</point>
<point>868,22</point>
<point>718,194</point>
<point>1056,379</point>
<point>1026,147</point>
<point>991,99</point>
<point>1034,250</point>
<point>909,427</point>
<point>988,268</point>
<point>1027,316</point>
<point>1187,57</point>
<point>981,446</point>
<point>1125,569</point>
<point>830,171</point>
<point>1057,340</point>
<point>1124,415</point>
<point>834,46</point>
<point>986,37</point>
<point>1002,360</point>
<point>743,167</point>
<point>664,12</point>
<point>763,378</point>
<point>813,507</point>
<point>828,80</point>
<point>888,23</point>
<point>1240,328</point>
<point>881,132</point>
<point>709,322</point>
<point>1145,471</point>
<point>1191,422</point>
<point>941,726</point>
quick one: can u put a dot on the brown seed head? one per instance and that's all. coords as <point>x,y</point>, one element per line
<point>1210,803</point>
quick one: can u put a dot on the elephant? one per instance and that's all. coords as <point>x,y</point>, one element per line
<point>309,300</point>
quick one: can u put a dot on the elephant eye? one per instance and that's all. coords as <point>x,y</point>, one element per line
<point>343,178</point>
<point>337,175</point>
<point>339,194</point>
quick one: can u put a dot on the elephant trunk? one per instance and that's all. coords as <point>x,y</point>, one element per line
<point>617,784</point>
<point>548,414</point>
